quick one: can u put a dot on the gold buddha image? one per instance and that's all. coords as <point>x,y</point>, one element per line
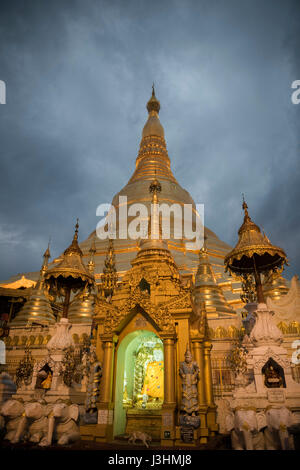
<point>148,377</point>
<point>153,386</point>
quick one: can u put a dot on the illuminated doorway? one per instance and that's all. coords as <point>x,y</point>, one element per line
<point>139,376</point>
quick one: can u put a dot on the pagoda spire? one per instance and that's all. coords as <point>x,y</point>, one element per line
<point>92,252</point>
<point>37,309</point>
<point>109,277</point>
<point>153,150</point>
<point>46,257</point>
<point>154,239</point>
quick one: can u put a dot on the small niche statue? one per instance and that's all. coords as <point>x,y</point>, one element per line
<point>189,419</point>
<point>272,377</point>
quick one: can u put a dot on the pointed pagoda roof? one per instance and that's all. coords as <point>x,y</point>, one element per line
<point>153,147</point>
<point>207,292</point>
<point>37,309</point>
<point>71,265</point>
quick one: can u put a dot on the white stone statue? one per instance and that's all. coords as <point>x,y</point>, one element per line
<point>245,427</point>
<point>34,423</point>
<point>277,436</point>
<point>63,424</point>
<point>12,411</point>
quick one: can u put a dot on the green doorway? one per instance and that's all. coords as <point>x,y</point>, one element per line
<point>139,376</point>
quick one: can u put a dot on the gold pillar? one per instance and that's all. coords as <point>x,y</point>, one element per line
<point>104,429</point>
<point>207,346</point>
<point>169,405</point>
<point>211,407</point>
<point>169,373</point>
<point>105,390</point>
<point>198,354</point>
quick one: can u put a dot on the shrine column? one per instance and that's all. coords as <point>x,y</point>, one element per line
<point>104,428</point>
<point>198,355</point>
<point>207,346</point>
<point>169,405</point>
<point>105,390</point>
<point>211,410</point>
<point>199,358</point>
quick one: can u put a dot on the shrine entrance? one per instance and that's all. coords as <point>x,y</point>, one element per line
<point>139,390</point>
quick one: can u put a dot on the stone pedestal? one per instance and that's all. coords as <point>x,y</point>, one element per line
<point>265,344</point>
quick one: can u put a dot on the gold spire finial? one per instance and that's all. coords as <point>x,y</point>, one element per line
<point>76,229</point>
<point>153,104</point>
<point>245,208</point>
<point>47,255</point>
<point>203,250</point>
<point>74,247</point>
<point>92,251</point>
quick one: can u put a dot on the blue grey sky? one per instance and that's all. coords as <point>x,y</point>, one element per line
<point>78,76</point>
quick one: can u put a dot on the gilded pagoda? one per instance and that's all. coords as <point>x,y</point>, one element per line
<point>144,303</point>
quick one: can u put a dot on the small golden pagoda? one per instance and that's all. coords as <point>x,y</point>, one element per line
<point>275,286</point>
<point>254,254</point>
<point>81,309</point>
<point>70,274</point>
<point>207,290</point>
<point>37,309</point>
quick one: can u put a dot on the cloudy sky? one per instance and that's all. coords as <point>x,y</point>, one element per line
<point>78,75</point>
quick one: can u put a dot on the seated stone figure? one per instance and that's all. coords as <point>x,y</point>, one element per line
<point>273,378</point>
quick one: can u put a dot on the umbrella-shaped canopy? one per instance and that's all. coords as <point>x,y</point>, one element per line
<point>70,273</point>
<point>254,253</point>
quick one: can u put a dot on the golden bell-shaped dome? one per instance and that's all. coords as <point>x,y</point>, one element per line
<point>207,292</point>
<point>81,310</point>
<point>37,309</point>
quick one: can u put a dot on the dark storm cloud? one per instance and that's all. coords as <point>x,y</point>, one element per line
<point>78,76</point>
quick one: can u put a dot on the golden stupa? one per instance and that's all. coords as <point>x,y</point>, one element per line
<point>152,163</point>
<point>207,292</point>
<point>37,309</point>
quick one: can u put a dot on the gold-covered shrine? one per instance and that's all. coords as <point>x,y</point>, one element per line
<point>145,300</point>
